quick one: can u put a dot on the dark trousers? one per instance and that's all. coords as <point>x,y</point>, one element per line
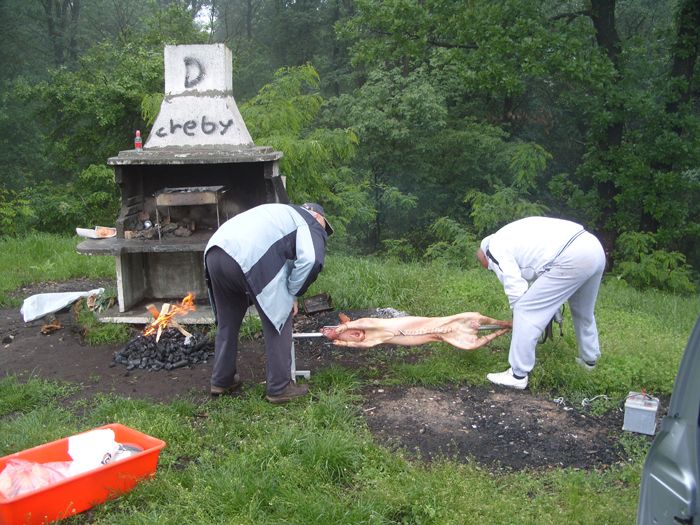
<point>231,297</point>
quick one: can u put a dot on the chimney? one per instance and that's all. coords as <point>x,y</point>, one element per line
<point>198,108</point>
<point>198,167</point>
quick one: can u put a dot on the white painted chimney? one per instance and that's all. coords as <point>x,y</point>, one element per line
<point>198,108</point>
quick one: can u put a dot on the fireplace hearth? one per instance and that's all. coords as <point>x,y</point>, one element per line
<point>187,180</point>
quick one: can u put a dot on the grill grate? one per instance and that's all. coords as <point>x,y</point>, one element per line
<point>188,196</point>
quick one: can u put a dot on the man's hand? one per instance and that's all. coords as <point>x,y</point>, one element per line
<point>295,307</point>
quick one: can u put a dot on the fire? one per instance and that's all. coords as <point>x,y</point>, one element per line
<point>164,318</point>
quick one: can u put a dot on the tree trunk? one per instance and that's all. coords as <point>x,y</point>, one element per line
<point>602,13</point>
<point>685,54</point>
<point>249,19</point>
<point>61,23</point>
<point>61,19</point>
<point>608,39</point>
<point>73,43</point>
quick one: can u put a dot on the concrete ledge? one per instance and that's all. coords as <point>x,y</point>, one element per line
<point>201,154</point>
<point>115,246</point>
<point>139,315</point>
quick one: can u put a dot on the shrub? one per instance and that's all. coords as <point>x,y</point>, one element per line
<point>92,200</point>
<point>491,212</point>
<point>399,249</point>
<point>454,245</point>
<point>641,265</point>
<point>98,194</point>
<point>15,213</point>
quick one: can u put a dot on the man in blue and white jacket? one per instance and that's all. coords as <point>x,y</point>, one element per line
<point>267,256</point>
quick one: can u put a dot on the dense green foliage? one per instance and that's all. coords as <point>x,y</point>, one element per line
<point>401,117</point>
<point>281,115</point>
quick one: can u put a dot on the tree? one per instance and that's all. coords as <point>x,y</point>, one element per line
<point>467,82</point>
<point>61,18</point>
<point>684,54</point>
<point>24,46</point>
<point>282,115</point>
<point>582,80</point>
<point>268,35</point>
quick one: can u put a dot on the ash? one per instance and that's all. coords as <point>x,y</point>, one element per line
<point>173,350</point>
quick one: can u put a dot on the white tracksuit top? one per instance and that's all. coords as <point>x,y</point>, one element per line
<point>521,251</point>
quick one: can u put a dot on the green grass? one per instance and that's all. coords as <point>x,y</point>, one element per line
<point>24,396</point>
<point>250,327</point>
<point>98,333</point>
<point>642,334</point>
<point>314,461</point>
<point>42,257</point>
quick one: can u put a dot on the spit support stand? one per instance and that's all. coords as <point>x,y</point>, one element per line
<point>306,374</point>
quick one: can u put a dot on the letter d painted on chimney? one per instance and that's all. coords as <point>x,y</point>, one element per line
<point>194,72</point>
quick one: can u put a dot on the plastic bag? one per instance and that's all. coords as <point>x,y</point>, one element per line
<point>42,304</point>
<point>89,450</point>
<point>20,476</point>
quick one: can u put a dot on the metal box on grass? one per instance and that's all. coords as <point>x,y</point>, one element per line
<point>640,413</point>
<point>78,493</point>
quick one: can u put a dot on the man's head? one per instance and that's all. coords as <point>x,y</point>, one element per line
<point>481,257</point>
<point>317,211</point>
<point>481,252</point>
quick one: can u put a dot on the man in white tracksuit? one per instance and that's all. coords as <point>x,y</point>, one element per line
<point>542,263</point>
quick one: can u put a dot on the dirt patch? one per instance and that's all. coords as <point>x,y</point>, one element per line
<point>502,429</point>
<point>498,428</point>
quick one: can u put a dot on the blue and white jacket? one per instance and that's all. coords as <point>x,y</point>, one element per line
<point>281,250</point>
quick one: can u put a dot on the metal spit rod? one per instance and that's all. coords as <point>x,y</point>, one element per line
<point>319,334</point>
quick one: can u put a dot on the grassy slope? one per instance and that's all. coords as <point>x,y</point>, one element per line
<point>642,334</point>
<point>42,257</point>
<point>245,461</point>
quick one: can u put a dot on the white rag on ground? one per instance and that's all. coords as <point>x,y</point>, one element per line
<point>42,304</point>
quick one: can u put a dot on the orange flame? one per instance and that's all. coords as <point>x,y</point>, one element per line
<point>162,320</point>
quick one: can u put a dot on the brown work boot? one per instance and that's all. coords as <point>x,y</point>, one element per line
<point>217,391</point>
<point>291,391</point>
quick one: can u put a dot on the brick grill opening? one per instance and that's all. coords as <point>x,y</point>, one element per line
<point>183,185</point>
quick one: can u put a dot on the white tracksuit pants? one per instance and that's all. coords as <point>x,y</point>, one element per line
<point>575,276</point>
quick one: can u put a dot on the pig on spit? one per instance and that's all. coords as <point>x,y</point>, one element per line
<point>460,330</point>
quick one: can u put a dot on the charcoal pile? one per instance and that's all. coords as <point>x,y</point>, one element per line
<point>172,350</point>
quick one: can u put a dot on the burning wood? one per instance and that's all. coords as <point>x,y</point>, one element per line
<point>172,351</point>
<point>163,318</point>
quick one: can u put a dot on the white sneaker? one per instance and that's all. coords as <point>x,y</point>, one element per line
<point>507,379</point>
<point>585,365</point>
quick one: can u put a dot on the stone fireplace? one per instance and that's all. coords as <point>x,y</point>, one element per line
<point>198,168</point>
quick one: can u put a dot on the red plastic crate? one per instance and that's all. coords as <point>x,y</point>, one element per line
<point>78,493</point>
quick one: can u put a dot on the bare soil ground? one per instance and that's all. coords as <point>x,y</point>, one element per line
<point>495,427</point>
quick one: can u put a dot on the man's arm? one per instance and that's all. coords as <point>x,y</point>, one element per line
<point>508,272</point>
<point>308,263</point>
